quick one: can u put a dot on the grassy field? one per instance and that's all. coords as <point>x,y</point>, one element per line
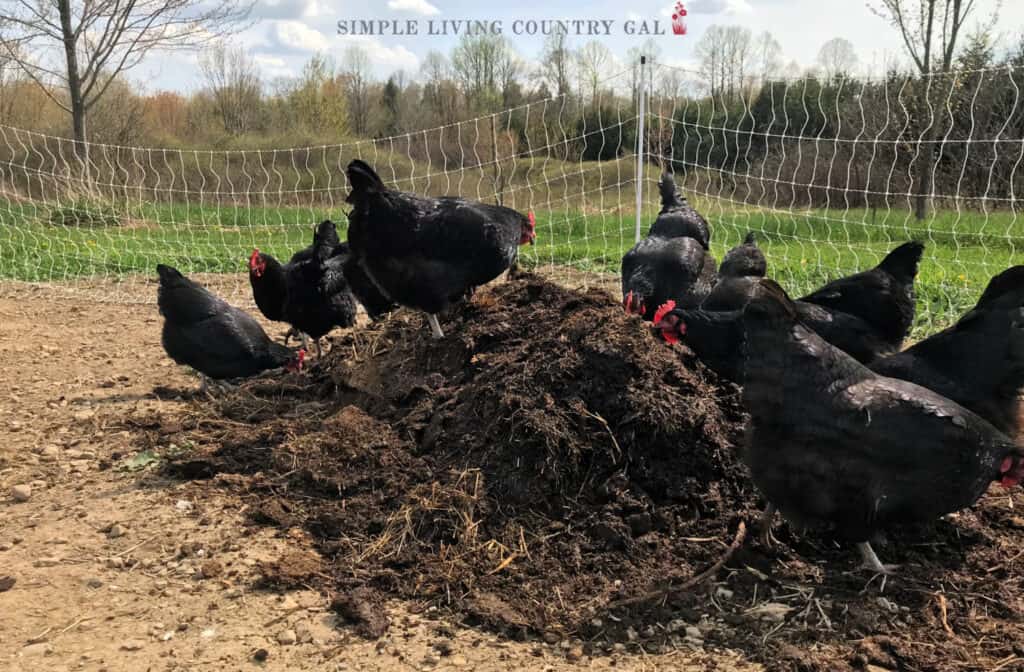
<point>804,248</point>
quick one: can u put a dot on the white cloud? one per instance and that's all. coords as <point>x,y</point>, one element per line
<point>386,59</point>
<point>730,7</point>
<point>285,9</point>
<point>297,36</point>
<point>273,66</point>
<point>415,6</point>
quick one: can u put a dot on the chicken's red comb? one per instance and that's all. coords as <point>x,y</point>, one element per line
<point>663,310</point>
<point>533,220</point>
<point>254,256</point>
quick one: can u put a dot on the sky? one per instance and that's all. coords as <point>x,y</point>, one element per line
<point>286,33</point>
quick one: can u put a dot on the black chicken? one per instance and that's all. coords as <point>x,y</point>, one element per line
<point>216,339</point>
<point>308,307</point>
<point>429,252</point>
<point>657,270</point>
<point>979,361</point>
<point>830,443</point>
<point>741,269</point>
<point>309,292</point>
<point>717,337</point>
<point>883,297</point>
<point>677,218</point>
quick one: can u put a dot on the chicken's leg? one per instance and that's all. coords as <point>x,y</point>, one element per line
<point>767,538</point>
<point>871,561</point>
<point>435,326</point>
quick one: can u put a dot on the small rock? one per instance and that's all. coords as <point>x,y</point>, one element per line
<point>210,569</point>
<point>49,453</point>
<point>38,649</point>
<point>675,625</point>
<point>631,634</point>
<point>772,611</point>
<point>260,655</point>
<point>117,530</point>
<point>46,562</point>
<point>287,637</point>
<point>574,654</point>
<point>184,506</point>
<point>458,661</point>
<point>94,583</point>
<point>640,523</point>
<point>597,623</point>
<point>132,645</point>
<point>167,636</point>
<point>443,647</point>
<point>21,493</point>
<point>551,637</point>
<point>723,593</point>
<point>693,632</point>
<point>5,546</point>
<point>115,562</point>
<point>208,633</point>
<point>6,583</point>
<point>430,660</point>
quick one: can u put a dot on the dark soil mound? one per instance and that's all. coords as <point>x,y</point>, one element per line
<point>549,466</point>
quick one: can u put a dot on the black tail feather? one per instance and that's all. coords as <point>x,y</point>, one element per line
<point>1009,281</point>
<point>362,179</point>
<point>902,262</point>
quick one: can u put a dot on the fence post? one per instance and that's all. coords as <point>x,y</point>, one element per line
<point>640,145</point>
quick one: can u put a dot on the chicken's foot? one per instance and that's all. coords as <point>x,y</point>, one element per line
<point>871,561</point>
<point>435,326</point>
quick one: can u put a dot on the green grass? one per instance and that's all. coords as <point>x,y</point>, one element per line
<point>804,248</point>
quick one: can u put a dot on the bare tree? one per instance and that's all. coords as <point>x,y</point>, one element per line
<point>767,56</point>
<point>556,63</point>
<point>82,46</point>
<point>485,67</point>
<point>930,29</point>
<point>836,58</point>
<point>727,61</point>
<point>357,73</point>
<point>234,84</point>
<point>594,60</point>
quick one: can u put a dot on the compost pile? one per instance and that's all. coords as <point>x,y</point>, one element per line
<point>550,466</point>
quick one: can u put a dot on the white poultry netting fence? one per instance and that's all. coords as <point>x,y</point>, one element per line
<point>830,174</point>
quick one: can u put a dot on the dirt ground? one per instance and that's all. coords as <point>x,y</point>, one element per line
<point>109,564</point>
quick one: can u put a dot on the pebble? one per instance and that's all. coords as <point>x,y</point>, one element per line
<point>287,637</point>
<point>551,637</point>
<point>115,563</point>
<point>117,530</point>
<point>49,453</point>
<point>21,493</point>
<point>631,634</point>
<point>693,632</point>
<point>574,654</point>
<point>675,625</point>
<point>209,633</point>
<point>94,583</point>
<point>46,562</point>
<point>5,546</point>
<point>458,661</point>
<point>132,645</point>
<point>38,649</point>
<point>723,593</point>
<point>260,655</point>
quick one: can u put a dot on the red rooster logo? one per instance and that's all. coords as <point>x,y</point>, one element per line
<point>679,19</point>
